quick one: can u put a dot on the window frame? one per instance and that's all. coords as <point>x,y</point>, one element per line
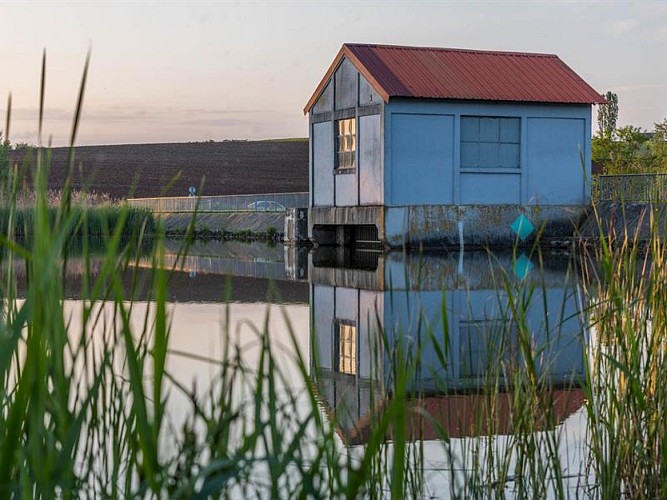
<point>499,142</point>
<point>345,347</point>
<point>349,149</point>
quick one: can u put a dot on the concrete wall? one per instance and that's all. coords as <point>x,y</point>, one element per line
<point>347,95</point>
<point>478,225</point>
<point>423,155</point>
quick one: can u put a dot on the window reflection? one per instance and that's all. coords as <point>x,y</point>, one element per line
<point>346,342</point>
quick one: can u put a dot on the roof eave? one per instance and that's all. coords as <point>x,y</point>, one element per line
<point>508,101</point>
<point>345,52</point>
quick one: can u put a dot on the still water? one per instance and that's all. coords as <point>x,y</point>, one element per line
<point>347,314</point>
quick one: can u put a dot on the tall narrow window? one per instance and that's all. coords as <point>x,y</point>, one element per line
<point>346,344</point>
<point>346,143</point>
<point>488,141</point>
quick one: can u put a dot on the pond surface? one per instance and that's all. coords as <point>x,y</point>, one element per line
<point>472,321</point>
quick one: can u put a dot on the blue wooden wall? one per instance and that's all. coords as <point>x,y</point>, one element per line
<point>423,158</point>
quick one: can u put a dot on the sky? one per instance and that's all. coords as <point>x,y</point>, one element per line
<point>198,71</point>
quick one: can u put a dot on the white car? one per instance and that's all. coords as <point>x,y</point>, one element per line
<point>267,206</point>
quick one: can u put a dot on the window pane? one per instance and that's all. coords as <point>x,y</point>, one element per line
<point>488,129</point>
<point>490,142</point>
<point>346,143</point>
<point>509,155</point>
<point>510,130</point>
<point>488,154</point>
<point>347,348</point>
<point>469,128</point>
<point>469,154</point>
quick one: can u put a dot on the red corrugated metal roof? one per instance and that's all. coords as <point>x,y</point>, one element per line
<point>437,73</point>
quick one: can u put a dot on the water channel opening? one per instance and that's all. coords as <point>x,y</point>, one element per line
<point>365,237</point>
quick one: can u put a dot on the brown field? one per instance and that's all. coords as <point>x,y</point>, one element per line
<point>145,170</point>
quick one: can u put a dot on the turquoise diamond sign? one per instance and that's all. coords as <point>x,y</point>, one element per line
<point>522,266</point>
<point>522,227</point>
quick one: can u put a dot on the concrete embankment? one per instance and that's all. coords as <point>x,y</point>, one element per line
<point>634,222</point>
<point>229,225</point>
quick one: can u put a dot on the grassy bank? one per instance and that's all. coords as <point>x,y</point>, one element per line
<point>87,222</point>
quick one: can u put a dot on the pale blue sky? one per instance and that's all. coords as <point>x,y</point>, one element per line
<point>175,71</point>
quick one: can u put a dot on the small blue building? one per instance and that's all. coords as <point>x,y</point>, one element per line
<point>433,147</point>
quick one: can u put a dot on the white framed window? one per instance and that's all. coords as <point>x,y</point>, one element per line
<point>490,142</point>
<point>346,347</point>
<point>346,143</point>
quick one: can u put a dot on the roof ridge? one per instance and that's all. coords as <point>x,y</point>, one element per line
<point>453,49</point>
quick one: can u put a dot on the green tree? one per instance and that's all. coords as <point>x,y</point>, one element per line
<point>631,152</point>
<point>608,116</point>
<point>602,150</point>
<point>659,145</point>
<point>603,141</point>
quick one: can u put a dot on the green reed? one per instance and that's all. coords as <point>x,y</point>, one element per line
<point>627,407</point>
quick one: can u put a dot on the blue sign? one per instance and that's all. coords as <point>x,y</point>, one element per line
<point>522,227</point>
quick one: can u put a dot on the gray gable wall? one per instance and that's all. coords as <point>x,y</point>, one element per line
<point>352,89</point>
<point>346,85</point>
<point>347,95</point>
<point>325,102</point>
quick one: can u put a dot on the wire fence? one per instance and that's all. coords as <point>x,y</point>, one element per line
<point>631,188</point>
<point>273,202</point>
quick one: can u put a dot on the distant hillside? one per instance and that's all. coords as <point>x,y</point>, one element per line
<point>229,167</point>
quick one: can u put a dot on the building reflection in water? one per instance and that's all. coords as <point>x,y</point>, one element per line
<point>460,313</point>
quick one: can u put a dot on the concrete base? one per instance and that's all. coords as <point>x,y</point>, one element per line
<point>326,225</point>
<point>296,226</point>
<point>438,226</point>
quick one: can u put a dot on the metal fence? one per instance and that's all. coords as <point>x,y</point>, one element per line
<point>274,202</point>
<point>631,187</point>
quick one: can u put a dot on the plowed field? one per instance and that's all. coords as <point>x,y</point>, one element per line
<point>147,170</point>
